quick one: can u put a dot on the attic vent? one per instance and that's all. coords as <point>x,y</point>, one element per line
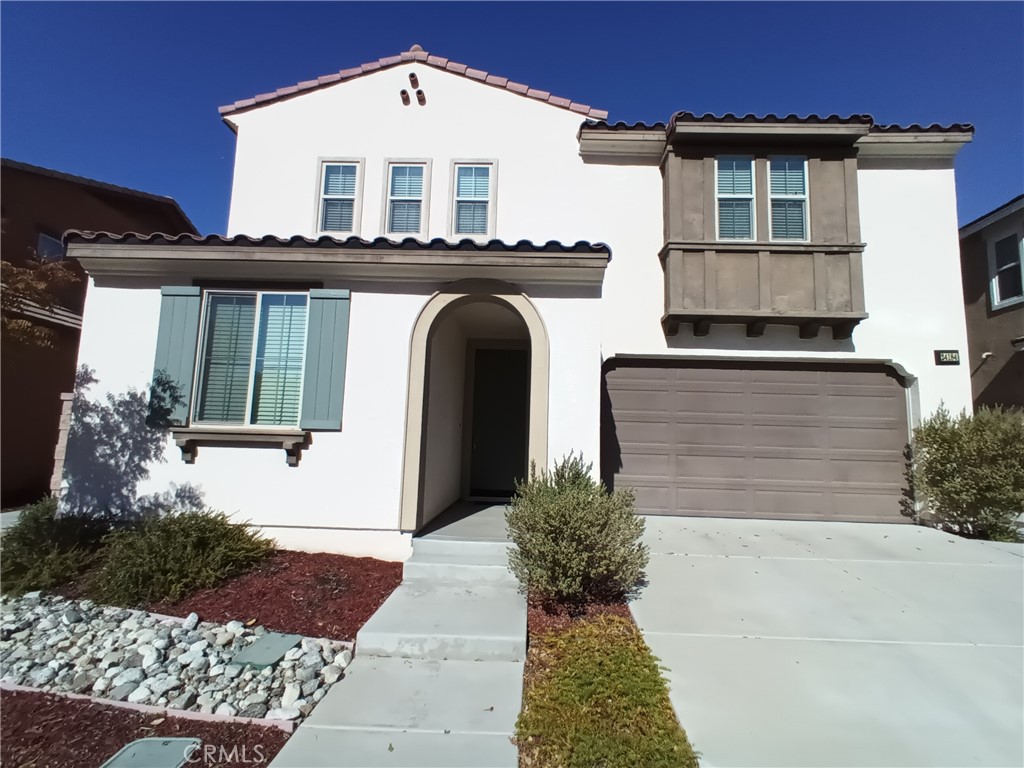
<point>415,81</point>
<point>421,98</point>
<point>405,97</point>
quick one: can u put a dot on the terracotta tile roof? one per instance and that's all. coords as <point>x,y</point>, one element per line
<point>729,117</point>
<point>327,242</point>
<point>863,119</point>
<point>918,128</point>
<point>416,53</point>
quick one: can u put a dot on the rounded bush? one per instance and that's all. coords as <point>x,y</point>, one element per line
<point>969,472</point>
<point>575,541</point>
<point>166,557</point>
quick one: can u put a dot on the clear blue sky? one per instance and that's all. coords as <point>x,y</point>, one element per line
<point>128,92</point>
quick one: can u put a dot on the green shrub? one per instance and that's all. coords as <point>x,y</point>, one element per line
<point>969,471</point>
<point>594,696</point>
<point>576,542</point>
<point>42,551</point>
<point>167,557</point>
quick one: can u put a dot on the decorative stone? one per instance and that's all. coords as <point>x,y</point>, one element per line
<point>331,674</point>
<point>231,671</point>
<point>140,695</point>
<point>223,638</point>
<point>253,710</point>
<point>291,694</point>
<point>191,622</point>
<point>70,616</point>
<point>121,692</point>
<point>183,700</point>
<point>284,713</point>
<point>132,675</point>
<point>310,687</point>
<point>42,676</point>
<point>305,674</point>
<point>343,658</point>
<point>161,687</point>
<point>225,710</point>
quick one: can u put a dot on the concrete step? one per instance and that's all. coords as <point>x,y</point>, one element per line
<point>460,569</point>
<point>481,551</point>
<point>432,620</point>
<point>420,695</point>
<point>336,748</point>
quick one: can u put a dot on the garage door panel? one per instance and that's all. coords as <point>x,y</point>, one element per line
<point>711,434</point>
<point>646,464</point>
<point>644,433</point>
<point>787,436</point>
<point>768,469</point>
<point>762,440</point>
<point>866,437</point>
<point>696,468</point>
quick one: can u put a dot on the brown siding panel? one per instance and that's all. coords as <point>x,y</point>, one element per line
<point>756,440</point>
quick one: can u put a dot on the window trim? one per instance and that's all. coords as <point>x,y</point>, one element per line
<point>805,198</point>
<point>318,196</point>
<point>492,198</point>
<point>752,197</point>
<point>247,425</point>
<point>389,163</point>
<point>1009,229</point>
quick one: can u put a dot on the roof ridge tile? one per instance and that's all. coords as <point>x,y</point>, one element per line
<point>416,53</point>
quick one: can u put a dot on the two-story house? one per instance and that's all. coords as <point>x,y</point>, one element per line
<point>38,205</point>
<point>992,264</point>
<point>434,276</point>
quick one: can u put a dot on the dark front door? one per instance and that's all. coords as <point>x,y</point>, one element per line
<point>501,385</point>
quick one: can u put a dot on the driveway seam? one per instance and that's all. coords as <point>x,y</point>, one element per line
<point>832,639</point>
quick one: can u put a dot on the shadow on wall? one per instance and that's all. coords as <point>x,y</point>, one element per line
<point>611,451</point>
<point>110,446</point>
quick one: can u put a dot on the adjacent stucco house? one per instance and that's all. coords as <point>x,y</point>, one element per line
<point>433,276</point>
<point>39,204</point>
<point>992,260</point>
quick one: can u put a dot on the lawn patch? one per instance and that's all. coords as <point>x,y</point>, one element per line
<point>594,696</point>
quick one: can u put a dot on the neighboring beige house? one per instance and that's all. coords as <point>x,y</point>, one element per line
<point>992,262</point>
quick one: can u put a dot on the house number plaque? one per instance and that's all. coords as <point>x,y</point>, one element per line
<point>947,357</point>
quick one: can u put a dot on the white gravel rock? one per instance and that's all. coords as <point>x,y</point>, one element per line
<point>77,646</point>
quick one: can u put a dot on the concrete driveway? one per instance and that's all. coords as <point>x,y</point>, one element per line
<point>838,644</point>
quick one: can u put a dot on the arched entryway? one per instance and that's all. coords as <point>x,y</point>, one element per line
<point>477,411</point>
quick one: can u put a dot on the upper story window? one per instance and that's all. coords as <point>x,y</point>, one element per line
<point>472,204</point>
<point>338,197</point>
<point>734,186</point>
<point>787,188</point>
<point>405,203</point>
<point>251,359</point>
<point>1006,263</point>
<point>49,248</point>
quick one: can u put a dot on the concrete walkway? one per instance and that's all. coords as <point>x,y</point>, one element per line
<point>438,674</point>
<point>838,644</point>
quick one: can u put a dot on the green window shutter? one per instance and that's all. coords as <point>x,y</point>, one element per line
<point>173,367</point>
<point>323,388</point>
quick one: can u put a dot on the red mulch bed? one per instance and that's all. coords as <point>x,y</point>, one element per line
<point>543,619</point>
<point>311,594</point>
<point>40,730</point>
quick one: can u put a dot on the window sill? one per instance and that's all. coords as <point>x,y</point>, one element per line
<point>292,441</point>
<point>1006,304</point>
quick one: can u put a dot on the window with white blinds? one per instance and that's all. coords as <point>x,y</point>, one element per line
<point>472,202</point>
<point>338,197</point>
<point>251,359</point>
<point>405,199</point>
<point>734,186</point>
<point>787,188</point>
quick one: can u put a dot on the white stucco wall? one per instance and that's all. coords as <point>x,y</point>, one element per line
<point>912,291</point>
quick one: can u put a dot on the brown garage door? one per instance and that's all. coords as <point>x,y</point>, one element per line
<point>740,440</point>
